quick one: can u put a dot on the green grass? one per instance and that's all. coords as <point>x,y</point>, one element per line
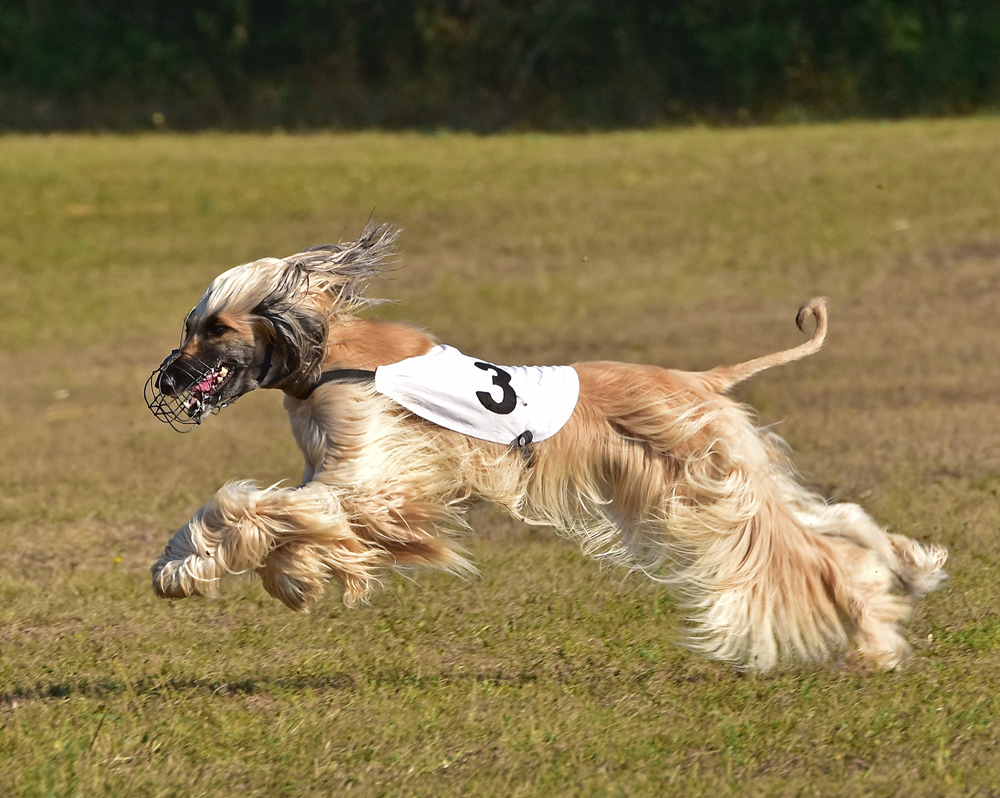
<point>547,675</point>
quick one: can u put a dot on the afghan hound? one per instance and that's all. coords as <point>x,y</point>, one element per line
<point>654,469</point>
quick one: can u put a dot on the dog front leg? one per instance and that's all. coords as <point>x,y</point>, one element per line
<point>218,540</point>
<point>295,538</point>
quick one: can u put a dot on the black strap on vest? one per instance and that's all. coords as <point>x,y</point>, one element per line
<point>340,377</point>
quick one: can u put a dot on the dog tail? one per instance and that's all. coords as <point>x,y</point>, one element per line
<point>723,378</point>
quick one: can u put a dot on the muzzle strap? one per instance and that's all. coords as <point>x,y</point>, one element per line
<point>265,367</point>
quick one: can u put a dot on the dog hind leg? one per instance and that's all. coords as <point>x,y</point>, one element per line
<point>917,567</point>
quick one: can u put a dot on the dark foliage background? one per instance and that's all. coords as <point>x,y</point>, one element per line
<point>489,64</point>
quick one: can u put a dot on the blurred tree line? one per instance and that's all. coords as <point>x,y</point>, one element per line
<point>489,64</point>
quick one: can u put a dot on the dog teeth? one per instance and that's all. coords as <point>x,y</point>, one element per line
<point>220,376</point>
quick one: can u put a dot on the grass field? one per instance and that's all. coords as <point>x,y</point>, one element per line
<point>548,675</point>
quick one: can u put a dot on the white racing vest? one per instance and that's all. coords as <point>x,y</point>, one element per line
<point>516,405</point>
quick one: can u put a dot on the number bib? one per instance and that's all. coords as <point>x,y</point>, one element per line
<point>504,404</point>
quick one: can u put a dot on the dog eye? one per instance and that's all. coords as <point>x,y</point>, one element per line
<point>218,329</point>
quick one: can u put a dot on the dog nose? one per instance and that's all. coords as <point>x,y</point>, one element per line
<point>167,382</point>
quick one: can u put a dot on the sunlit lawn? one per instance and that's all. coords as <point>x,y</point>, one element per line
<point>547,675</point>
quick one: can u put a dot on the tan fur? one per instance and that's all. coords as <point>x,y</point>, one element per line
<point>656,470</point>
<point>367,344</point>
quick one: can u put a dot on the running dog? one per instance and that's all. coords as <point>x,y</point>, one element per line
<point>655,469</point>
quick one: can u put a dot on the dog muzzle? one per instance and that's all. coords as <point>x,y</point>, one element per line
<point>183,393</point>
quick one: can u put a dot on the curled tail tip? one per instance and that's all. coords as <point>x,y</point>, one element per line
<point>815,307</point>
<point>722,378</point>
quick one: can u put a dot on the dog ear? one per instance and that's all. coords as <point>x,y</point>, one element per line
<point>295,339</point>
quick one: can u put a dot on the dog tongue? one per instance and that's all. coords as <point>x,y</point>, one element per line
<point>204,386</point>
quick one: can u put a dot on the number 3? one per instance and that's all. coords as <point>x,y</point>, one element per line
<point>502,379</point>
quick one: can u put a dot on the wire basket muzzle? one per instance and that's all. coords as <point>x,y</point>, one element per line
<point>180,407</point>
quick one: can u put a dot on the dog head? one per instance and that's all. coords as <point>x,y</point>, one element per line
<point>264,325</point>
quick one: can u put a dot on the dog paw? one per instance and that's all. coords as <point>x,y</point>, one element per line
<point>178,579</point>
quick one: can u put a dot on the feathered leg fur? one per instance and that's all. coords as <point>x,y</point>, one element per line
<point>295,538</point>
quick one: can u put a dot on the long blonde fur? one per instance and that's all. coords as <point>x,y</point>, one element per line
<point>657,470</point>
